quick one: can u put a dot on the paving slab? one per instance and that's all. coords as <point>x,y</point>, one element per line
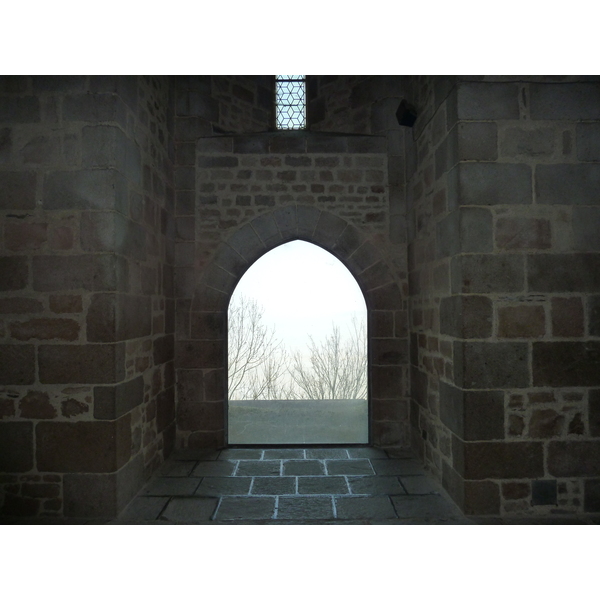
<point>224,486</point>
<point>171,486</point>
<point>286,453</point>
<point>322,485</point>
<point>241,454</point>
<point>303,467</point>
<point>189,510</point>
<point>259,467</point>
<point>366,453</point>
<point>420,484</point>
<point>273,486</point>
<point>426,508</point>
<point>372,508</point>
<point>245,508</point>
<point>176,468</point>
<point>357,466</point>
<point>143,509</point>
<point>393,466</point>
<point>305,508</point>
<point>376,485</point>
<point>215,468</point>
<point>322,453</point>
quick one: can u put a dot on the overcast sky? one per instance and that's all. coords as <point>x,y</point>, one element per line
<point>303,289</point>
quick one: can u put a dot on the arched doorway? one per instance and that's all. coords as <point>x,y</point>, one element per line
<point>297,351</point>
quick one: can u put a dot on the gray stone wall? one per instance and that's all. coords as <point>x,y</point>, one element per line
<point>86,327</point>
<point>504,264</point>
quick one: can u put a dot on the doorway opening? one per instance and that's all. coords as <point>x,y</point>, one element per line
<point>297,352</point>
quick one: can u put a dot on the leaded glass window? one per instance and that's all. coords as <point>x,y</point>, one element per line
<point>290,101</point>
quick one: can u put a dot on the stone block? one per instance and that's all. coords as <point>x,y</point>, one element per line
<point>16,447</point>
<point>464,230</point>
<point>163,349</point>
<point>165,409</point>
<point>466,316</point>
<point>117,317</point>
<point>207,325</point>
<point>569,184</point>
<point>83,446</point>
<point>206,354</point>
<point>14,273</point>
<point>574,458</point>
<point>250,144</point>
<point>489,184</point>
<point>17,305</point>
<point>594,315</point>
<point>566,364</point>
<point>17,190</point>
<point>389,352</point>
<point>521,143</point>
<point>472,415</point>
<point>200,416</point>
<point>18,506</point>
<point>498,460</point>
<point>477,141</point>
<point>88,363</point>
<point>591,495</point>
<point>567,317</point>
<point>58,83</point>
<point>487,274</point>
<point>94,108</point>
<point>523,321</point>
<point>564,101</point>
<point>65,304</point>
<point>92,272</point>
<point>112,402</point>
<point>22,109</point>
<point>491,365</point>
<point>323,142</point>
<point>563,273</point>
<point>588,141</point>
<point>386,382</point>
<point>283,144</point>
<point>487,101</point>
<point>586,228</point>
<point>17,364</point>
<point>523,233</point>
<point>97,189</point>
<point>25,235</point>
<point>594,412</point>
<point>45,329</point>
<point>545,423</point>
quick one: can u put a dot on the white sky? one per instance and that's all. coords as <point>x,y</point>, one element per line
<point>303,289</point>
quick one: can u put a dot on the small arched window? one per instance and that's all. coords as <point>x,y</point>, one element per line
<point>290,101</point>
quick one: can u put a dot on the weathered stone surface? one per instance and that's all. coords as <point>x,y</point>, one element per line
<point>574,458</point>
<point>565,101</point>
<point>18,305</point>
<point>199,355</point>
<point>564,364</point>
<point>89,363</point>
<point>523,233</point>
<point>45,329</point>
<point>17,364</point>
<point>520,142</point>
<point>489,101</point>
<point>83,447</point>
<point>116,317</point>
<point>472,415</point>
<point>468,229</point>
<point>16,447</point>
<point>24,236</point>
<point>567,317</point>
<point>112,402</point>
<point>491,365</point>
<point>163,349</point>
<point>66,304</point>
<point>72,408</point>
<point>193,416</point>
<point>546,423</point>
<point>515,490</point>
<point>487,274</point>
<point>567,184</point>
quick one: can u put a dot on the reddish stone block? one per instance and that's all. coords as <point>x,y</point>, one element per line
<point>17,364</point>
<point>36,405</point>
<point>567,317</point>
<point>515,490</point>
<point>20,306</point>
<point>61,238</point>
<point>546,423</point>
<point>45,329</point>
<point>574,458</point>
<point>83,446</point>
<point>522,321</point>
<point>24,236</point>
<point>72,408</point>
<point>66,304</point>
<point>537,397</point>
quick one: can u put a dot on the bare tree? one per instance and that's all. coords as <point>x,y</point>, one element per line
<point>338,367</point>
<point>256,360</point>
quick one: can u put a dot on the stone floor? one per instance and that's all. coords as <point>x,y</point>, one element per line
<point>292,486</point>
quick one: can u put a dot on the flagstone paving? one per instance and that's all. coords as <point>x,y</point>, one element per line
<point>354,485</point>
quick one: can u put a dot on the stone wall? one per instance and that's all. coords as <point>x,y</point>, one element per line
<point>86,307</point>
<point>504,271</point>
<point>252,193</point>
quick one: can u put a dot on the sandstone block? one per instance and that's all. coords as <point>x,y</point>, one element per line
<point>36,405</point>
<point>83,447</point>
<point>45,329</point>
<point>523,233</point>
<point>486,274</point>
<point>17,364</point>
<point>517,142</point>
<point>522,321</point>
<point>481,498</point>
<point>466,316</point>
<point>546,423</point>
<point>66,304</point>
<point>24,236</point>
<point>89,363</point>
<point>117,317</point>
